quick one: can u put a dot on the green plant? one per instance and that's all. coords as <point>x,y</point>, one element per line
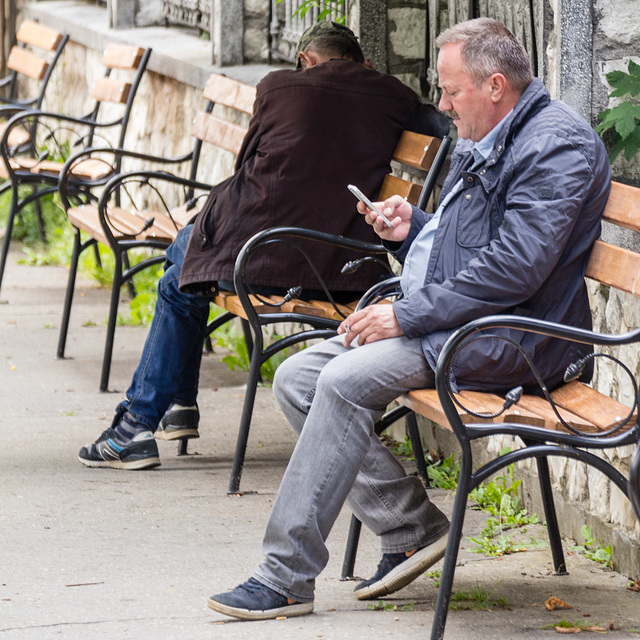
<point>381,605</point>
<point>444,473</point>
<point>435,575</point>
<point>500,498</point>
<point>593,549</point>
<point>333,9</point>
<point>576,627</point>
<point>402,449</point>
<point>477,598</point>
<point>623,121</point>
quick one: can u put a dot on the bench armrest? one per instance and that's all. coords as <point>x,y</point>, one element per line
<point>289,235</point>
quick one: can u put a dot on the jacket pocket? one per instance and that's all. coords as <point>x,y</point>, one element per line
<point>475,211</point>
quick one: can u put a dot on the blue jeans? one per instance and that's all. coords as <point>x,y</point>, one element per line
<point>169,367</point>
<point>332,396</point>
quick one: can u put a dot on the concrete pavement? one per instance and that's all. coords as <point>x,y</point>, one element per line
<point>115,554</point>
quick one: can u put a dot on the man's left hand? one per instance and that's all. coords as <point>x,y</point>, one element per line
<point>377,322</point>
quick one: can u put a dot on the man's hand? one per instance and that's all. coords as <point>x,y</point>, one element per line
<point>397,210</point>
<point>377,322</point>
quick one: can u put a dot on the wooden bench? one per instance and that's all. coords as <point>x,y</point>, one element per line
<point>33,168</point>
<point>34,56</point>
<point>588,420</point>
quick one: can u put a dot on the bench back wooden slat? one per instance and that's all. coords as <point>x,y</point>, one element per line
<point>122,56</point>
<point>230,93</point>
<point>107,89</point>
<point>27,63</point>
<point>614,266</point>
<point>218,132</point>
<point>37,35</point>
<point>416,150</point>
<point>393,185</point>
<point>623,206</point>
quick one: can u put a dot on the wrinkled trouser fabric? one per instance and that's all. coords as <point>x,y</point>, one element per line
<point>332,396</point>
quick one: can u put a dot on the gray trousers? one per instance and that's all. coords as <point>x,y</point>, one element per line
<point>332,396</point>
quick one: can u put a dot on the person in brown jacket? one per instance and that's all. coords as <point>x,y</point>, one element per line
<point>330,122</point>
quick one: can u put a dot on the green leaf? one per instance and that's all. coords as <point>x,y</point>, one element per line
<point>632,144</point>
<point>625,83</point>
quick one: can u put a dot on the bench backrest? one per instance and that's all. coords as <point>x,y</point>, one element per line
<point>34,56</point>
<point>610,264</point>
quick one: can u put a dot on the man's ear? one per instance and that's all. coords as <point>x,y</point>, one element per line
<point>310,59</point>
<point>497,86</point>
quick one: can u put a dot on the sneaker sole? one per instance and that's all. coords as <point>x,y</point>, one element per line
<point>405,573</point>
<point>176,435</point>
<point>289,611</point>
<point>133,465</point>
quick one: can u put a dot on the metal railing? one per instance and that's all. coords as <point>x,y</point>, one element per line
<point>191,13</point>
<point>286,25</point>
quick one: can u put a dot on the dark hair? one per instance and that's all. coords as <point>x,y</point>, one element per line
<point>335,45</point>
<point>488,47</point>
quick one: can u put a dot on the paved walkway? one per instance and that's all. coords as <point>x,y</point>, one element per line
<point>114,554</point>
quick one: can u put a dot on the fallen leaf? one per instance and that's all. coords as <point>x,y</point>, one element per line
<point>635,586</point>
<point>554,603</point>
<point>568,629</point>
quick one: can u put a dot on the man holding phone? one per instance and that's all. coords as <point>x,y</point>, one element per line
<point>518,215</point>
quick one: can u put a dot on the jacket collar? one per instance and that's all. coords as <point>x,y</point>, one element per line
<point>534,98</point>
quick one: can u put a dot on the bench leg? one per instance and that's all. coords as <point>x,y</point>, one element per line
<point>183,443</point>
<point>416,445</point>
<point>247,412</point>
<point>68,298</point>
<point>451,554</point>
<point>6,241</point>
<point>349,562</point>
<point>555,541</point>
<point>111,323</point>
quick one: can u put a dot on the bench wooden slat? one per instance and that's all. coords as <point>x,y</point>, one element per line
<point>416,149</point>
<point>218,132</point>
<point>122,56</point>
<point>622,207</point>
<point>27,63</point>
<point>108,89</point>
<point>231,93</point>
<point>38,35</point>
<point>615,266</point>
<point>541,407</point>
<point>393,185</point>
<point>123,224</point>
<point>590,404</point>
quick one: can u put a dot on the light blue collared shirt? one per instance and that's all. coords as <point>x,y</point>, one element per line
<point>414,269</point>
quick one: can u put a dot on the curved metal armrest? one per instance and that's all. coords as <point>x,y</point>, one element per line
<point>118,154</point>
<point>379,291</point>
<point>280,234</point>
<point>526,324</point>
<point>118,180</point>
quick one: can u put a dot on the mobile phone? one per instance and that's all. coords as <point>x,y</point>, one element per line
<point>358,194</point>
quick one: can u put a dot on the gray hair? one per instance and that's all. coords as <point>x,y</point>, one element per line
<point>488,47</point>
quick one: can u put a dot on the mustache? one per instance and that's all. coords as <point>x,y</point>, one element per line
<point>451,114</point>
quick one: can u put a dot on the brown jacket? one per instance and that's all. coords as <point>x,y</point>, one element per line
<point>313,132</point>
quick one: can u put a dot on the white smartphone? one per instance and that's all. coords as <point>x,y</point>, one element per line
<point>358,194</point>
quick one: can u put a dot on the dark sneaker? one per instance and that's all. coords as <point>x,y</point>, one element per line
<point>255,601</point>
<point>396,570</point>
<point>110,450</point>
<point>179,422</point>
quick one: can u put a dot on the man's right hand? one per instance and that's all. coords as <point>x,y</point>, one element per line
<point>397,210</point>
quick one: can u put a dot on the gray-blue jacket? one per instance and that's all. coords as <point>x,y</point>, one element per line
<point>515,239</point>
